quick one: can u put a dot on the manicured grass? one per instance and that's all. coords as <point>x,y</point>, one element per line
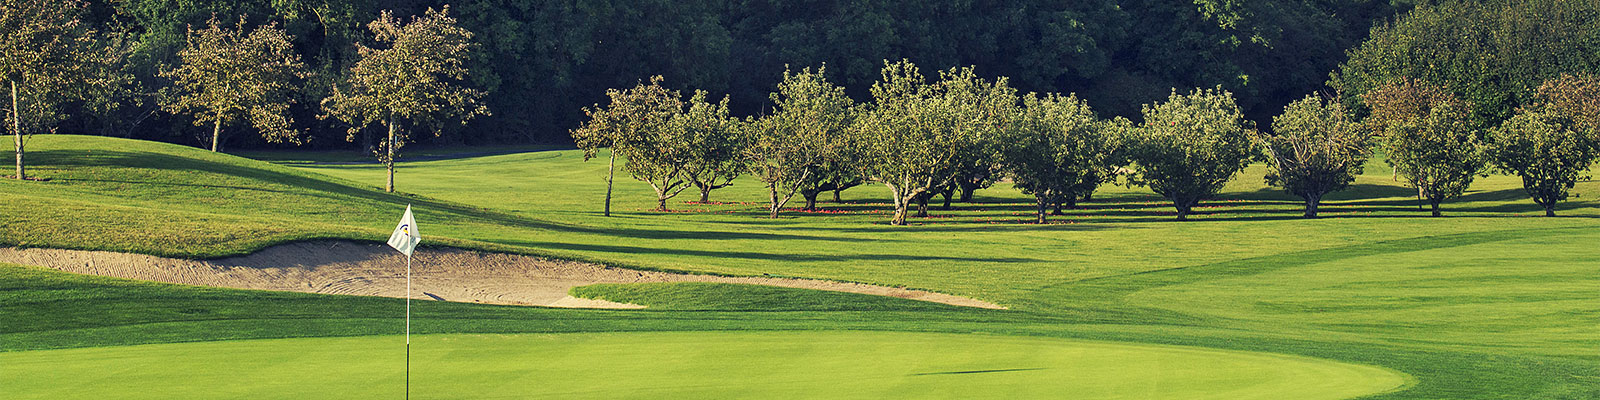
<point>1489,302</point>
<point>818,364</point>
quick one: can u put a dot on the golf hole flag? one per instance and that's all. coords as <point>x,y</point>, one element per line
<point>405,236</point>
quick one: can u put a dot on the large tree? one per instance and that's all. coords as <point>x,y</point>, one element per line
<point>800,145</point>
<point>47,59</point>
<point>413,75</point>
<point>1190,146</point>
<point>1056,146</point>
<point>1548,143</point>
<point>1429,137</point>
<point>632,114</point>
<point>228,74</point>
<point>1316,148</point>
<point>910,136</point>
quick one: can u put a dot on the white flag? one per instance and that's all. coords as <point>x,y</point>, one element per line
<point>405,235</point>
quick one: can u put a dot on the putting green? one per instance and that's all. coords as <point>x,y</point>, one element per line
<point>823,364</point>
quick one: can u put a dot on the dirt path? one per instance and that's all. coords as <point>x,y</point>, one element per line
<point>335,267</point>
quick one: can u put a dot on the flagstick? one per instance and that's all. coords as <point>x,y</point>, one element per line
<point>408,326</point>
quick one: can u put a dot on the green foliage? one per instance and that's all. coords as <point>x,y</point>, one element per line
<point>1057,146</point>
<point>806,143</point>
<point>1317,148</point>
<point>1547,150</point>
<point>1491,53</point>
<point>1190,146</point>
<point>227,75</point>
<point>415,75</point>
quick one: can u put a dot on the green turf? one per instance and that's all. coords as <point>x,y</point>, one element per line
<point>825,364</point>
<point>1489,302</point>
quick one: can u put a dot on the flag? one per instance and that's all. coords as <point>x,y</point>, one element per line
<point>405,235</point>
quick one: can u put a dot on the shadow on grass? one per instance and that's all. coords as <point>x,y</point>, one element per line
<point>618,249</point>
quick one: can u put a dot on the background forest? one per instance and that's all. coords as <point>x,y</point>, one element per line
<point>541,61</point>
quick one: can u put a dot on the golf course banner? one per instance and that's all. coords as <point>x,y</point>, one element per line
<point>405,237</point>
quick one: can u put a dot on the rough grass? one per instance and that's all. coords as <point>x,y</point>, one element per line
<point>1486,303</point>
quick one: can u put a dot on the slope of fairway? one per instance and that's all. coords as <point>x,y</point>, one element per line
<point>831,364</point>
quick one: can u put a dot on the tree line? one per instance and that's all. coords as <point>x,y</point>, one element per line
<point>955,132</point>
<point>409,75</point>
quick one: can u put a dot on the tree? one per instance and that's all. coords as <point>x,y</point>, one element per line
<point>1317,148</point>
<point>631,114</point>
<point>1057,145</point>
<point>47,57</point>
<point>227,75</point>
<point>1430,138</point>
<point>1439,155</point>
<point>415,76</point>
<point>990,108</point>
<point>1574,96</point>
<point>665,156</point>
<point>1190,146</point>
<point>1547,145</point>
<point>800,143</point>
<point>716,144</point>
<point>910,136</point>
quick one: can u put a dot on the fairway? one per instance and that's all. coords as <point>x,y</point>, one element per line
<point>1114,299</point>
<point>834,364</point>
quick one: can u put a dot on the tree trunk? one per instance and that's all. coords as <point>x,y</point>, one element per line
<point>947,194</point>
<point>966,194</point>
<point>774,206</point>
<point>1043,204</point>
<point>1058,205</point>
<point>705,193</point>
<point>389,160</point>
<point>1435,204</point>
<point>216,134</point>
<point>899,212</point>
<point>16,129</point>
<point>836,198</point>
<point>1550,209</point>
<point>811,200</point>
<point>1312,202</point>
<point>1184,208</point>
<point>661,204</point>
<point>922,204</point>
<point>611,172</point>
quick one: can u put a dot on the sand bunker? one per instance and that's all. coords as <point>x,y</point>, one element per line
<point>334,267</point>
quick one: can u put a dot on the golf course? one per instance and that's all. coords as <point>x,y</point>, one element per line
<point>1114,300</point>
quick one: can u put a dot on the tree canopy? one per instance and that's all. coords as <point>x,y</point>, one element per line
<point>227,74</point>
